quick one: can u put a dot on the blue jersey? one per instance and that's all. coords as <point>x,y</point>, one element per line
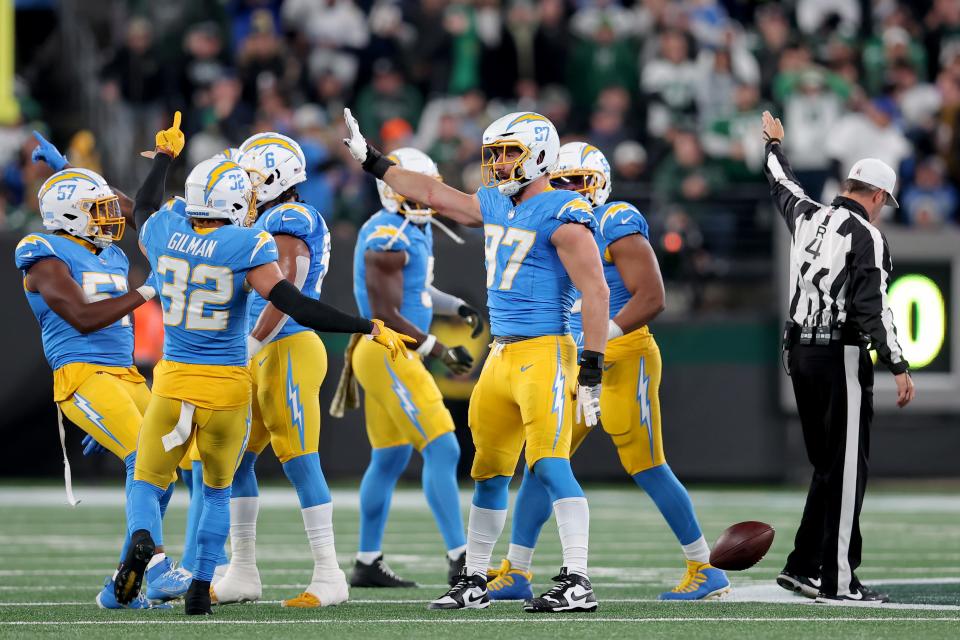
<point>529,292</point>
<point>305,223</point>
<point>201,280</point>
<point>417,241</point>
<point>101,276</point>
<point>617,220</point>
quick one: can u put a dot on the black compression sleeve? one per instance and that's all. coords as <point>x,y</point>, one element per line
<point>313,313</point>
<point>150,195</point>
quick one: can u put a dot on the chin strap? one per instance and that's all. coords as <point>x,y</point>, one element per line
<point>403,225</point>
<point>447,230</point>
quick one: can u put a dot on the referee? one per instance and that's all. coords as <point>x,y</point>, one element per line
<point>839,270</point>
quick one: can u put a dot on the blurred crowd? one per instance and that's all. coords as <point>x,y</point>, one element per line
<point>670,90</point>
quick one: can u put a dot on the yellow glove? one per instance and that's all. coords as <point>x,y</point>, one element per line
<point>171,140</point>
<point>392,340</point>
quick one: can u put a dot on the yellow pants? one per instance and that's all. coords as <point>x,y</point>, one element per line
<point>105,402</point>
<point>630,402</point>
<point>401,401</point>
<point>287,375</point>
<point>220,425</point>
<point>524,395</point>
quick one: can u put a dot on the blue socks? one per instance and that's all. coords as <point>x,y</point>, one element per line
<point>244,478</point>
<point>129,463</point>
<point>164,502</point>
<point>189,559</point>
<point>556,475</point>
<point>306,476</point>
<point>143,508</point>
<point>492,493</point>
<point>376,491</point>
<point>531,510</point>
<point>439,479</point>
<point>673,501</point>
<point>212,532</point>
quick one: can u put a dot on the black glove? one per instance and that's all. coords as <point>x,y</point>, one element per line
<point>591,368</point>
<point>472,317</point>
<point>457,359</point>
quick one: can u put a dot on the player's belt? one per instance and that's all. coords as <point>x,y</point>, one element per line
<point>820,335</point>
<point>511,339</point>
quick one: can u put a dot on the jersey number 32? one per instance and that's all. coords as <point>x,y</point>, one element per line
<point>188,310</point>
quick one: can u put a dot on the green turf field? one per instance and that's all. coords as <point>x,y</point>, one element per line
<point>53,559</point>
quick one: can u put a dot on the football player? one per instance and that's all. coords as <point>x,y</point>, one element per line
<point>404,410</point>
<point>539,244</point>
<point>630,400</point>
<point>203,263</point>
<point>289,363</point>
<point>75,280</point>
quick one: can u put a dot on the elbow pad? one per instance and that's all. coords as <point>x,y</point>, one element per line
<point>313,313</point>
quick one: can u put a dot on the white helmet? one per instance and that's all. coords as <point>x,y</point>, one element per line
<point>583,168</point>
<point>533,144</point>
<point>80,202</point>
<point>413,160</point>
<point>220,189</point>
<point>230,153</point>
<point>275,163</point>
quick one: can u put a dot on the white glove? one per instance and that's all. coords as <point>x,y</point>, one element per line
<point>356,143</point>
<point>588,404</point>
<point>253,346</point>
<point>147,292</point>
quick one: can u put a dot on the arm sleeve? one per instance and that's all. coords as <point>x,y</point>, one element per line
<point>869,307</point>
<point>150,195</point>
<point>313,313</point>
<point>444,304</point>
<point>788,196</point>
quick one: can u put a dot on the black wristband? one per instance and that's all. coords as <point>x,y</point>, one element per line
<point>376,163</point>
<point>591,368</point>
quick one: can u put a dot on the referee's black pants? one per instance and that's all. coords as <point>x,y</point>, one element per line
<point>834,390</point>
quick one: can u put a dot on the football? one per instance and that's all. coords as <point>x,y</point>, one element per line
<point>742,545</point>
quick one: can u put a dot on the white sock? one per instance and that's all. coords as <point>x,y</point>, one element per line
<point>243,531</point>
<point>155,560</point>
<point>520,557</point>
<point>318,523</point>
<point>367,557</point>
<point>483,529</point>
<point>573,523</point>
<point>697,551</point>
<point>455,553</point>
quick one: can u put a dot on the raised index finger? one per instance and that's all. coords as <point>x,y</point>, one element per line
<point>176,120</point>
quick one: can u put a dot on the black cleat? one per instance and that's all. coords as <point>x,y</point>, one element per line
<point>572,593</point>
<point>456,568</point>
<point>197,600</point>
<point>126,586</point>
<point>469,592</point>
<point>860,594</point>
<point>807,587</point>
<point>377,574</point>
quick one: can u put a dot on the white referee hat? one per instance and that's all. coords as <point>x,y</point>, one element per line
<point>876,173</point>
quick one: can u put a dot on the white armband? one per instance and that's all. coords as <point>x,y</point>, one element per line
<point>444,304</point>
<point>427,346</point>
<point>146,291</point>
<point>613,330</point>
<point>253,346</point>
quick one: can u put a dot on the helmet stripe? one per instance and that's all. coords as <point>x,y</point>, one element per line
<point>67,175</point>
<point>262,142</point>
<point>527,117</point>
<point>215,176</point>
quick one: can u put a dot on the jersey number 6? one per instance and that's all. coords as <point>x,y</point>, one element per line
<point>174,291</point>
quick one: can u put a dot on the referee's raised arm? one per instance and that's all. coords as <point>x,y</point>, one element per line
<point>788,196</point>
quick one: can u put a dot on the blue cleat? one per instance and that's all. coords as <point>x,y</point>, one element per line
<point>702,582</point>
<point>165,582</point>
<point>507,583</point>
<point>106,600</point>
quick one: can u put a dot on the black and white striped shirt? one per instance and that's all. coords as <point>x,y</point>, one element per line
<point>839,263</point>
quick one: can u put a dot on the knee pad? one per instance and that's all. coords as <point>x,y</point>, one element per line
<point>492,493</point>
<point>556,475</point>
<point>244,478</point>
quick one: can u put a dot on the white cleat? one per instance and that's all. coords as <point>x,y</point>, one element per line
<point>331,589</point>
<point>240,584</point>
<point>219,572</point>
